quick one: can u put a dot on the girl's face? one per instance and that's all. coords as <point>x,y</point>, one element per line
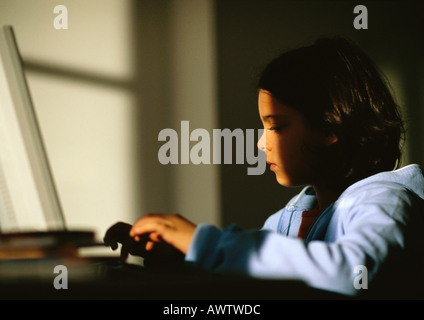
<point>286,141</point>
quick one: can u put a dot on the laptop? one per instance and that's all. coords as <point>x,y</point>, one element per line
<point>32,222</point>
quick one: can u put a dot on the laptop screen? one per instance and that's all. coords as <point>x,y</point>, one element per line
<point>28,197</point>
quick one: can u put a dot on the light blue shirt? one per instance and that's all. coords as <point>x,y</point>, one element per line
<point>371,222</point>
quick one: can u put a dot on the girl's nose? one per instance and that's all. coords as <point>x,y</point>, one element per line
<point>262,142</point>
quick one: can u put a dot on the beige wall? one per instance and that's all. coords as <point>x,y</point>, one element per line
<point>93,95</point>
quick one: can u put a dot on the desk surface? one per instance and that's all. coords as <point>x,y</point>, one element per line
<point>109,279</point>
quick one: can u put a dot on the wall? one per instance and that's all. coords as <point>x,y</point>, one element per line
<point>105,87</point>
<point>79,83</point>
<point>175,81</point>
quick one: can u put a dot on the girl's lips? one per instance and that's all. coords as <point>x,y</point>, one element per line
<point>271,165</point>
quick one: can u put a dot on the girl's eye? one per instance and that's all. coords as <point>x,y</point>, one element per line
<point>274,128</point>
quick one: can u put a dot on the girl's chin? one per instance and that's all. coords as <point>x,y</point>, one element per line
<point>284,181</point>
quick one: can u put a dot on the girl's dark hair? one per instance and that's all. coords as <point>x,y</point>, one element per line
<point>338,89</point>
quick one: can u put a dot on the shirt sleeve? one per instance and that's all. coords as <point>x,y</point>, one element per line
<point>371,226</point>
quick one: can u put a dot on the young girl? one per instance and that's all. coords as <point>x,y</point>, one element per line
<point>332,126</point>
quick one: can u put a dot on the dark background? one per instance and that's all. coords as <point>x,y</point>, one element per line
<point>251,32</point>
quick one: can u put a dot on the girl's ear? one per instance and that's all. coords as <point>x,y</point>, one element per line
<point>331,139</point>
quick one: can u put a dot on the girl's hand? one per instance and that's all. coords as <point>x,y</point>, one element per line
<point>172,229</point>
